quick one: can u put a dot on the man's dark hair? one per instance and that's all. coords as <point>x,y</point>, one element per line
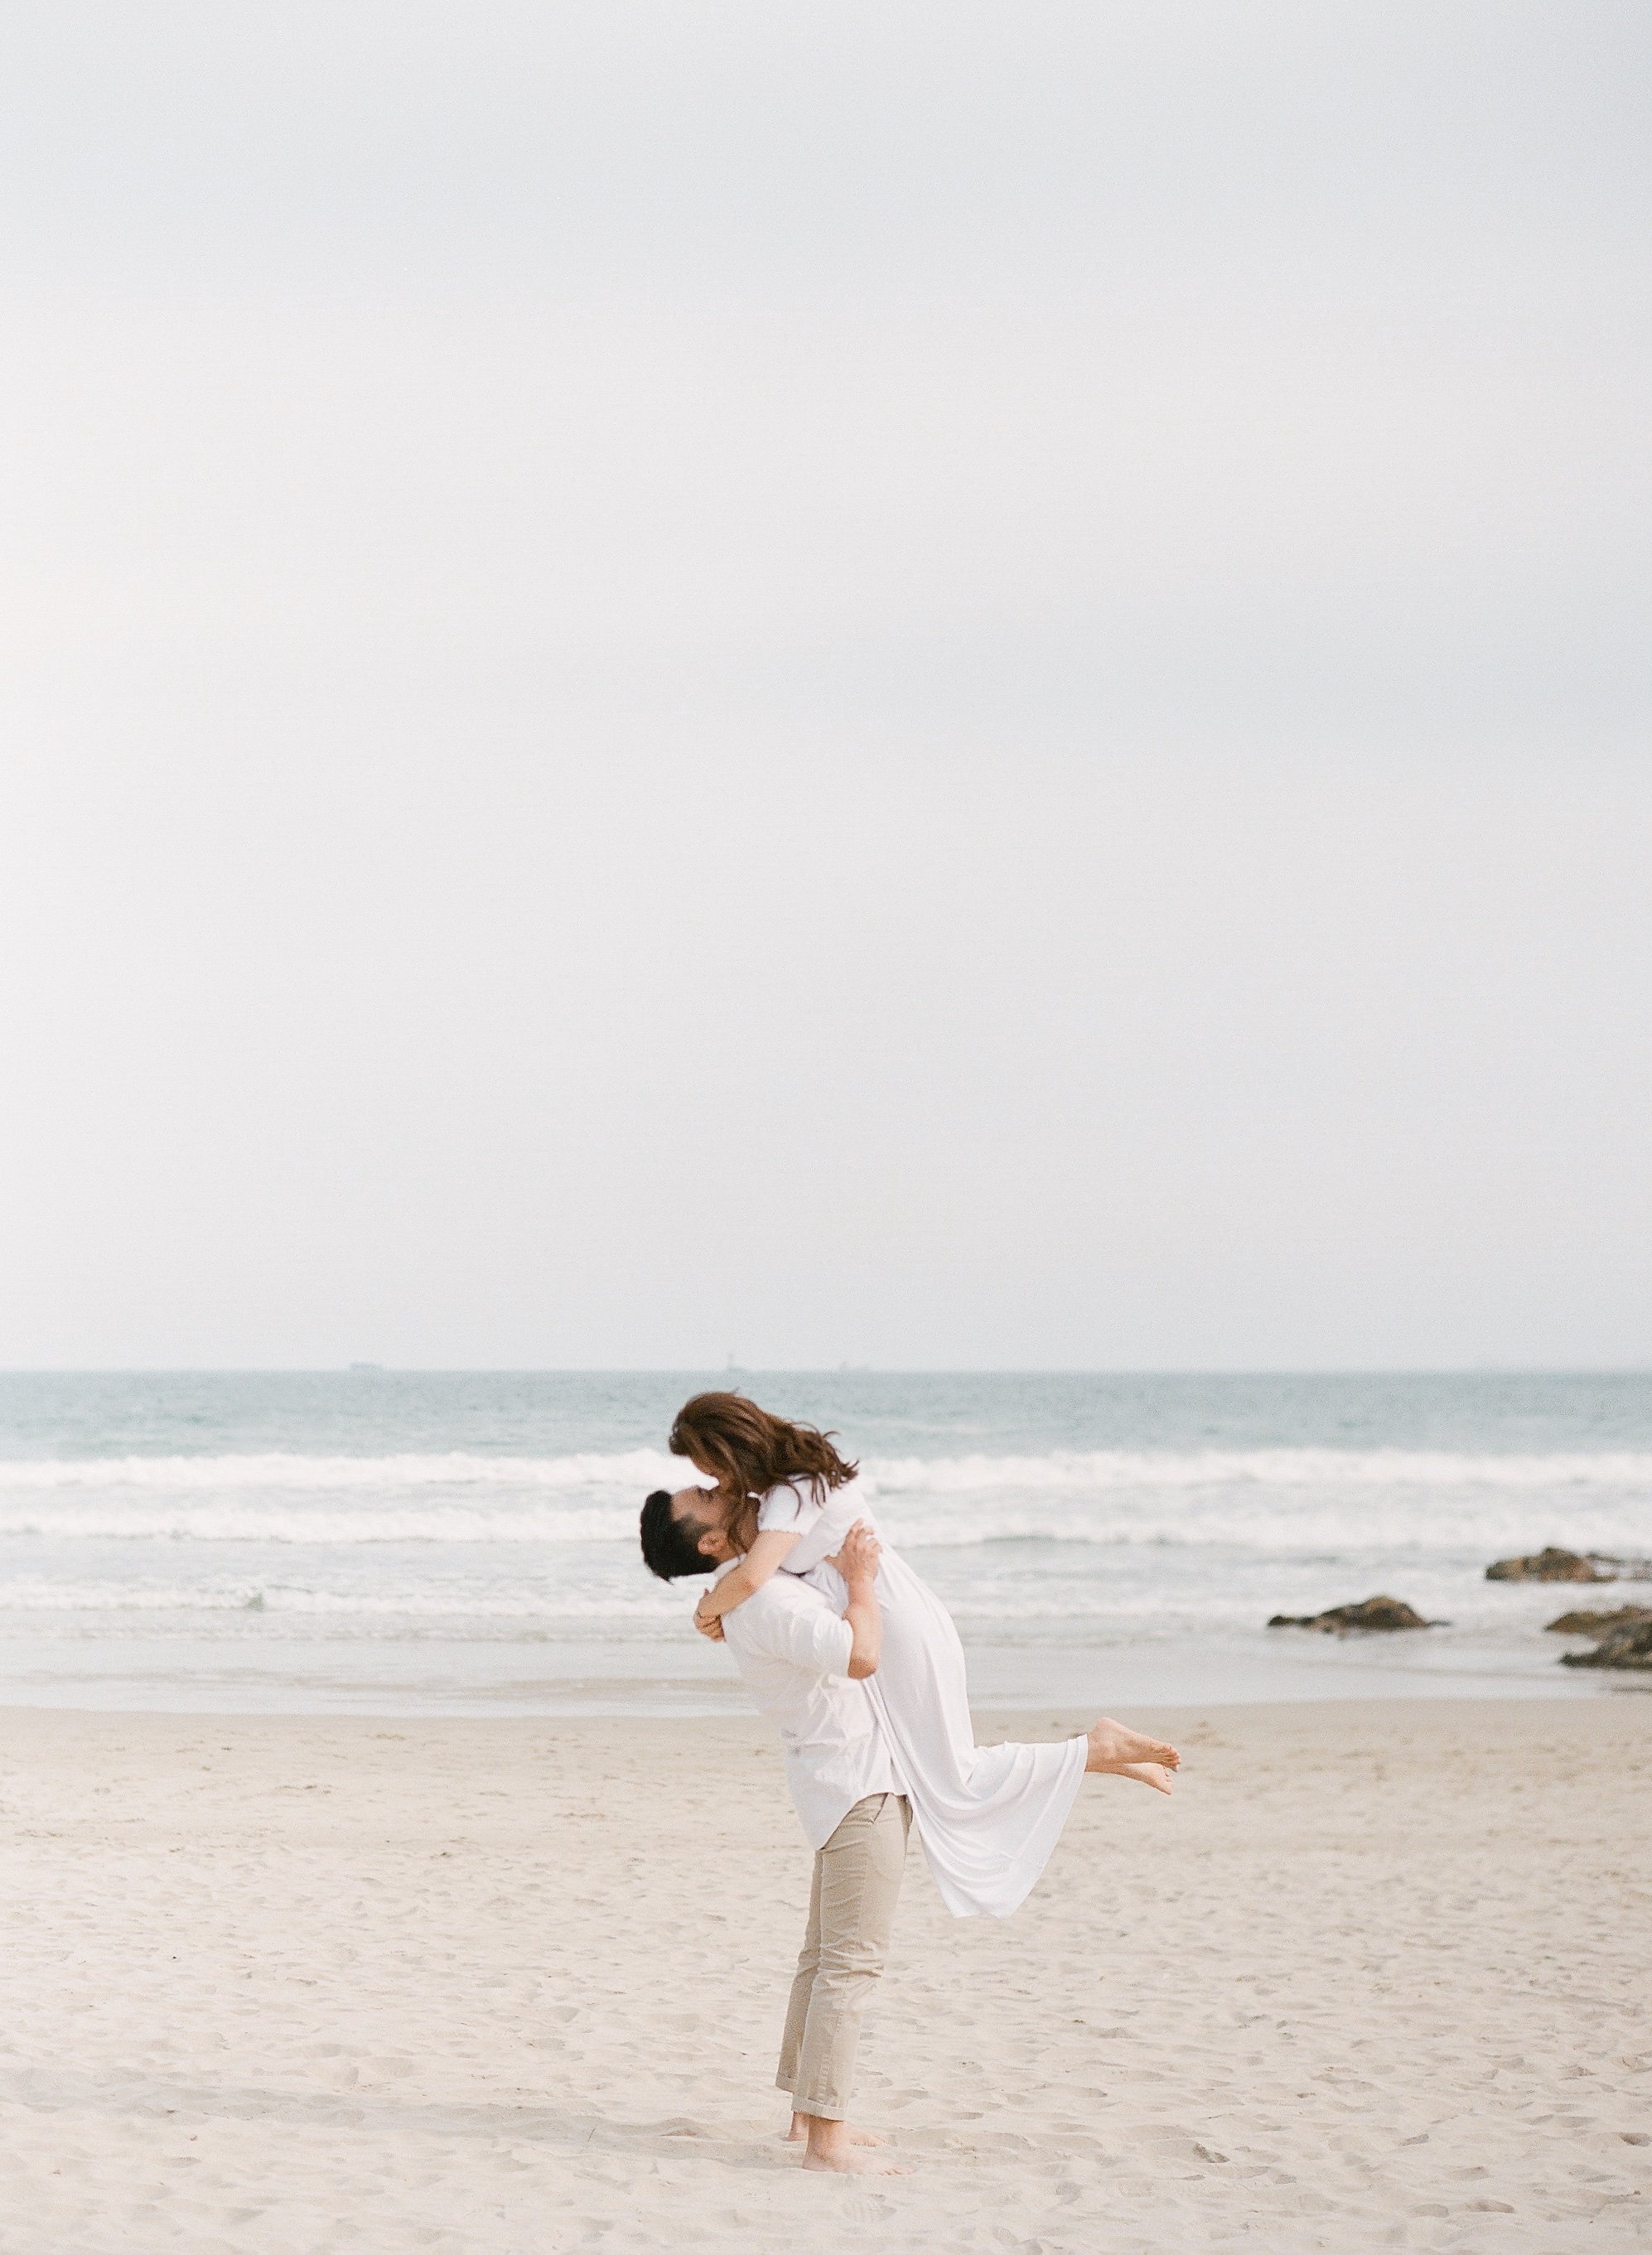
<point>670,1546</point>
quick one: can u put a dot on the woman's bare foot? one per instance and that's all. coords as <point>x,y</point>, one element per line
<point>1116,1747</point>
<point>798,2133</point>
<point>1153,1773</point>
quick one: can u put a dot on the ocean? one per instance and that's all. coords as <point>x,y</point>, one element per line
<point>399,1542</point>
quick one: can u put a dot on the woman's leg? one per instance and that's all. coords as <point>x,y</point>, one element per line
<point>1113,1747</point>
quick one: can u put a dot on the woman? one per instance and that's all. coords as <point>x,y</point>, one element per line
<point>988,1816</point>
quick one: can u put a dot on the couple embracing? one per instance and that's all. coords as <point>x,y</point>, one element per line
<point>858,1663</point>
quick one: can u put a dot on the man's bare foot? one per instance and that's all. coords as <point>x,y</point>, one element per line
<point>1153,1773</point>
<point>848,2161</point>
<point>1113,1747</point>
<point>798,2134</point>
<point>833,2146</point>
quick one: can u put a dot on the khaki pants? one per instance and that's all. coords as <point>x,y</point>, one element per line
<point>857,1880</point>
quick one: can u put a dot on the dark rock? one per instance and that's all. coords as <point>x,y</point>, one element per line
<point>1550,1565</point>
<point>1624,1570</point>
<point>1584,1622</point>
<point>1374,1613</point>
<point>1624,1647</point>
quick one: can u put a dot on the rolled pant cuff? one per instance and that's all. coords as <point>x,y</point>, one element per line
<point>822,2113</point>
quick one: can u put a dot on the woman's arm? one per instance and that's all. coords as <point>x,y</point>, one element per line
<point>857,1563</point>
<point>760,1562</point>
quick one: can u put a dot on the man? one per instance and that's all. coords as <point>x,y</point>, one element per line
<point>804,1665</point>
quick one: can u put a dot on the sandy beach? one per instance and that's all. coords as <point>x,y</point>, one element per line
<point>1377,1976</point>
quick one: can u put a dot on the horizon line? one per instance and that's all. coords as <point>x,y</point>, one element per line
<point>371,1369</point>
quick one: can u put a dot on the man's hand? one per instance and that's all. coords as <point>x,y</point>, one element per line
<point>857,1561</point>
<point>708,1624</point>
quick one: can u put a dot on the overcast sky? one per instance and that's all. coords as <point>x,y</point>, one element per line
<point>919,685</point>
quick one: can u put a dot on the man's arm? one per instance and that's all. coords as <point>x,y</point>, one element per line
<point>857,1563</point>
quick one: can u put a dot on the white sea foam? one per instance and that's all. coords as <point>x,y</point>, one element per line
<point>1266,1500</point>
<point>43,1597</point>
<point>278,1473</point>
<point>637,1471</point>
<point>29,1595</point>
<point>1388,1525</point>
<point>1097,1471</point>
<point>243,1603</point>
<point>252,1521</point>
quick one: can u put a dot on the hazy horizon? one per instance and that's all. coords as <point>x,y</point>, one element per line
<point>820,1370</point>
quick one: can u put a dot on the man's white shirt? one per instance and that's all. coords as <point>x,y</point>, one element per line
<point>793,1652</point>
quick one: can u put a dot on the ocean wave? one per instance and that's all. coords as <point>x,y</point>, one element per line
<point>634,1471</point>
<point>1281,1501</point>
<point>256,1522</point>
<point>41,1597</point>
<point>1383,1525</point>
<point>1099,1470</point>
<point>252,1598</point>
<point>630,1469</point>
<point>239,1605</point>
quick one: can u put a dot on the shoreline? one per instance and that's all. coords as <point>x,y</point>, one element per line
<point>413,1679</point>
<point>1502,1718</point>
<point>647,1703</point>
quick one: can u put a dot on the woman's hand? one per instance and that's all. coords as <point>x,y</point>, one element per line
<point>707,1624</point>
<point>857,1561</point>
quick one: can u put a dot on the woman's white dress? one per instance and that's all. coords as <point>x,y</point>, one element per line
<point>988,1816</point>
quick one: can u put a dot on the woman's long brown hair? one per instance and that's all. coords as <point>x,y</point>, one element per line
<point>750,1451</point>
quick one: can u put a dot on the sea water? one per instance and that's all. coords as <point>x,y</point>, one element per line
<point>414,1542</point>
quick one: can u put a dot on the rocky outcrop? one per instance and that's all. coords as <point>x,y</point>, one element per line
<point>1550,1565</point>
<point>1371,1612</point>
<point>1629,1647</point>
<point>1600,1621</point>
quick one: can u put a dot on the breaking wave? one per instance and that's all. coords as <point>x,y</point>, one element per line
<point>1258,1499</point>
<point>396,1475</point>
<point>1059,1470</point>
<point>42,1596</point>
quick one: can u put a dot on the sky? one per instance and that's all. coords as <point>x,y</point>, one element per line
<point>923,686</point>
